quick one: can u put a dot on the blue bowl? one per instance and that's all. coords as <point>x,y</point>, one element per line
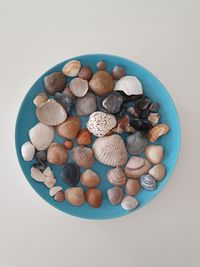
<point>171,142</point>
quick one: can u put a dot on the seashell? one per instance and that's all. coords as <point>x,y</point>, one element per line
<point>101,65</point>
<point>59,196</point>
<point>136,143</point>
<point>130,85</point>
<point>136,167</point>
<point>153,107</point>
<point>154,118</point>
<point>86,105</point>
<point>41,166</point>
<point>142,103</point>
<point>68,92</point>
<point>123,125</point>
<point>72,68</point>
<point>118,72</point>
<point>37,175</point>
<point>89,178</point>
<point>94,197</point>
<point>56,154</point>
<point>83,138</point>
<point>75,196</point>
<point>70,174</point>
<point>54,82</point>
<point>101,83</point>
<point>48,172</point>
<point>158,172</point>
<point>51,113</point>
<point>100,123</point>
<point>68,144</point>
<point>27,151</point>
<point>83,156</point>
<point>40,155</point>
<point>69,128</point>
<point>41,136</point>
<point>40,99</point>
<point>49,182</point>
<point>85,73</point>
<point>54,190</point>
<point>154,153</point>
<point>79,87</point>
<point>112,102</point>
<point>132,187</point>
<point>116,176</point>
<point>147,182</point>
<point>157,131</point>
<point>115,195</point>
<point>110,150</point>
<point>66,101</point>
<point>129,203</point>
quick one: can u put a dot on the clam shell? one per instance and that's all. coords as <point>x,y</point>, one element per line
<point>148,182</point>
<point>158,172</point>
<point>136,167</point>
<point>100,123</point>
<point>37,175</point>
<point>72,68</point>
<point>130,85</point>
<point>27,151</point>
<point>154,153</point>
<point>75,196</point>
<point>57,154</point>
<point>70,174</point>
<point>132,187</point>
<point>115,195</point>
<point>69,128</point>
<point>94,197</point>
<point>41,136</point>
<point>85,73</point>
<point>40,99</point>
<point>86,105</point>
<point>129,203</point>
<point>136,143</point>
<point>110,150</point>
<point>89,178</point>
<point>157,131</point>
<point>54,190</point>
<point>83,156</point>
<point>79,87</point>
<point>101,83</point>
<point>54,82</point>
<point>51,113</point>
<point>116,176</point>
<point>83,138</point>
<point>49,182</point>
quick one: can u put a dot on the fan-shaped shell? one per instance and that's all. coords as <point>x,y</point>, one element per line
<point>154,153</point>
<point>83,156</point>
<point>130,85</point>
<point>136,143</point>
<point>41,136</point>
<point>79,87</point>
<point>115,195</point>
<point>136,167</point>
<point>40,99</point>
<point>148,182</point>
<point>110,150</point>
<point>129,203</point>
<point>51,113</point>
<point>72,68</point>
<point>100,123</point>
<point>57,154</point>
<point>94,197</point>
<point>116,176</point>
<point>69,128</point>
<point>75,196</point>
<point>89,178</point>
<point>158,172</point>
<point>86,105</point>
<point>101,83</point>
<point>27,151</point>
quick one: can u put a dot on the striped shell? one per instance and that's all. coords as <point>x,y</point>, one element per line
<point>148,182</point>
<point>158,172</point>
<point>110,150</point>
<point>136,143</point>
<point>154,153</point>
<point>116,176</point>
<point>136,167</point>
<point>51,113</point>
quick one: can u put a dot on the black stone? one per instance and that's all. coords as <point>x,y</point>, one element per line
<point>40,166</point>
<point>134,112</point>
<point>140,124</point>
<point>153,107</point>
<point>142,103</point>
<point>145,113</point>
<point>110,103</point>
<point>65,101</point>
<point>40,155</point>
<point>70,174</point>
<point>121,113</point>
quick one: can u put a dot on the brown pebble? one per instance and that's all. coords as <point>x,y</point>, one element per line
<point>84,137</point>
<point>59,196</point>
<point>85,73</point>
<point>68,144</point>
<point>132,187</point>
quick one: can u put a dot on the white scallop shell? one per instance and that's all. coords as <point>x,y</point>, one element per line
<point>154,153</point>
<point>100,123</point>
<point>41,136</point>
<point>51,113</point>
<point>130,85</point>
<point>129,203</point>
<point>54,190</point>
<point>37,175</point>
<point>27,151</point>
<point>158,172</point>
<point>110,150</point>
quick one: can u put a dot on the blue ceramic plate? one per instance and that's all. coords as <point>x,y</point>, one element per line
<point>152,88</point>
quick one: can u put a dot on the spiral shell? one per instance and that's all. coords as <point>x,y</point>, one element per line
<point>147,182</point>
<point>154,153</point>
<point>136,167</point>
<point>158,172</point>
<point>75,196</point>
<point>115,195</point>
<point>83,156</point>
<point>116,176</point>
<point>136,143</point>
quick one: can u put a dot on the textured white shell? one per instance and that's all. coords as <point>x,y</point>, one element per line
<point>54,190</point>
<point>110,150</point>
<point>154,153</point>
<point>130,85</point>
<point>27,151</point>
<point>100,123</point>
<point>51,113</point>
<point>72,68</point>
<point>37,175</point>
<point>158,172</point>
<point>129,203</point>
<point>41,136</point>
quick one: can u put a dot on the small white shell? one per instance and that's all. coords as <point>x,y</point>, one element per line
<point>49,181</point>
<point>54,190</point>
<point>41,136</point>
<point>40,99</point>
<point>100,123</point>
<point>37,175</point>
<point>27,151</point>
<point>154,153</point>
<point>129,203</point>
<point>130,85</point>
<point>72,68</point>
<point>158,172</point>
<point>48,172</point>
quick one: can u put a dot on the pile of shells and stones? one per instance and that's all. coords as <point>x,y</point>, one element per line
<point>116,107</point>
